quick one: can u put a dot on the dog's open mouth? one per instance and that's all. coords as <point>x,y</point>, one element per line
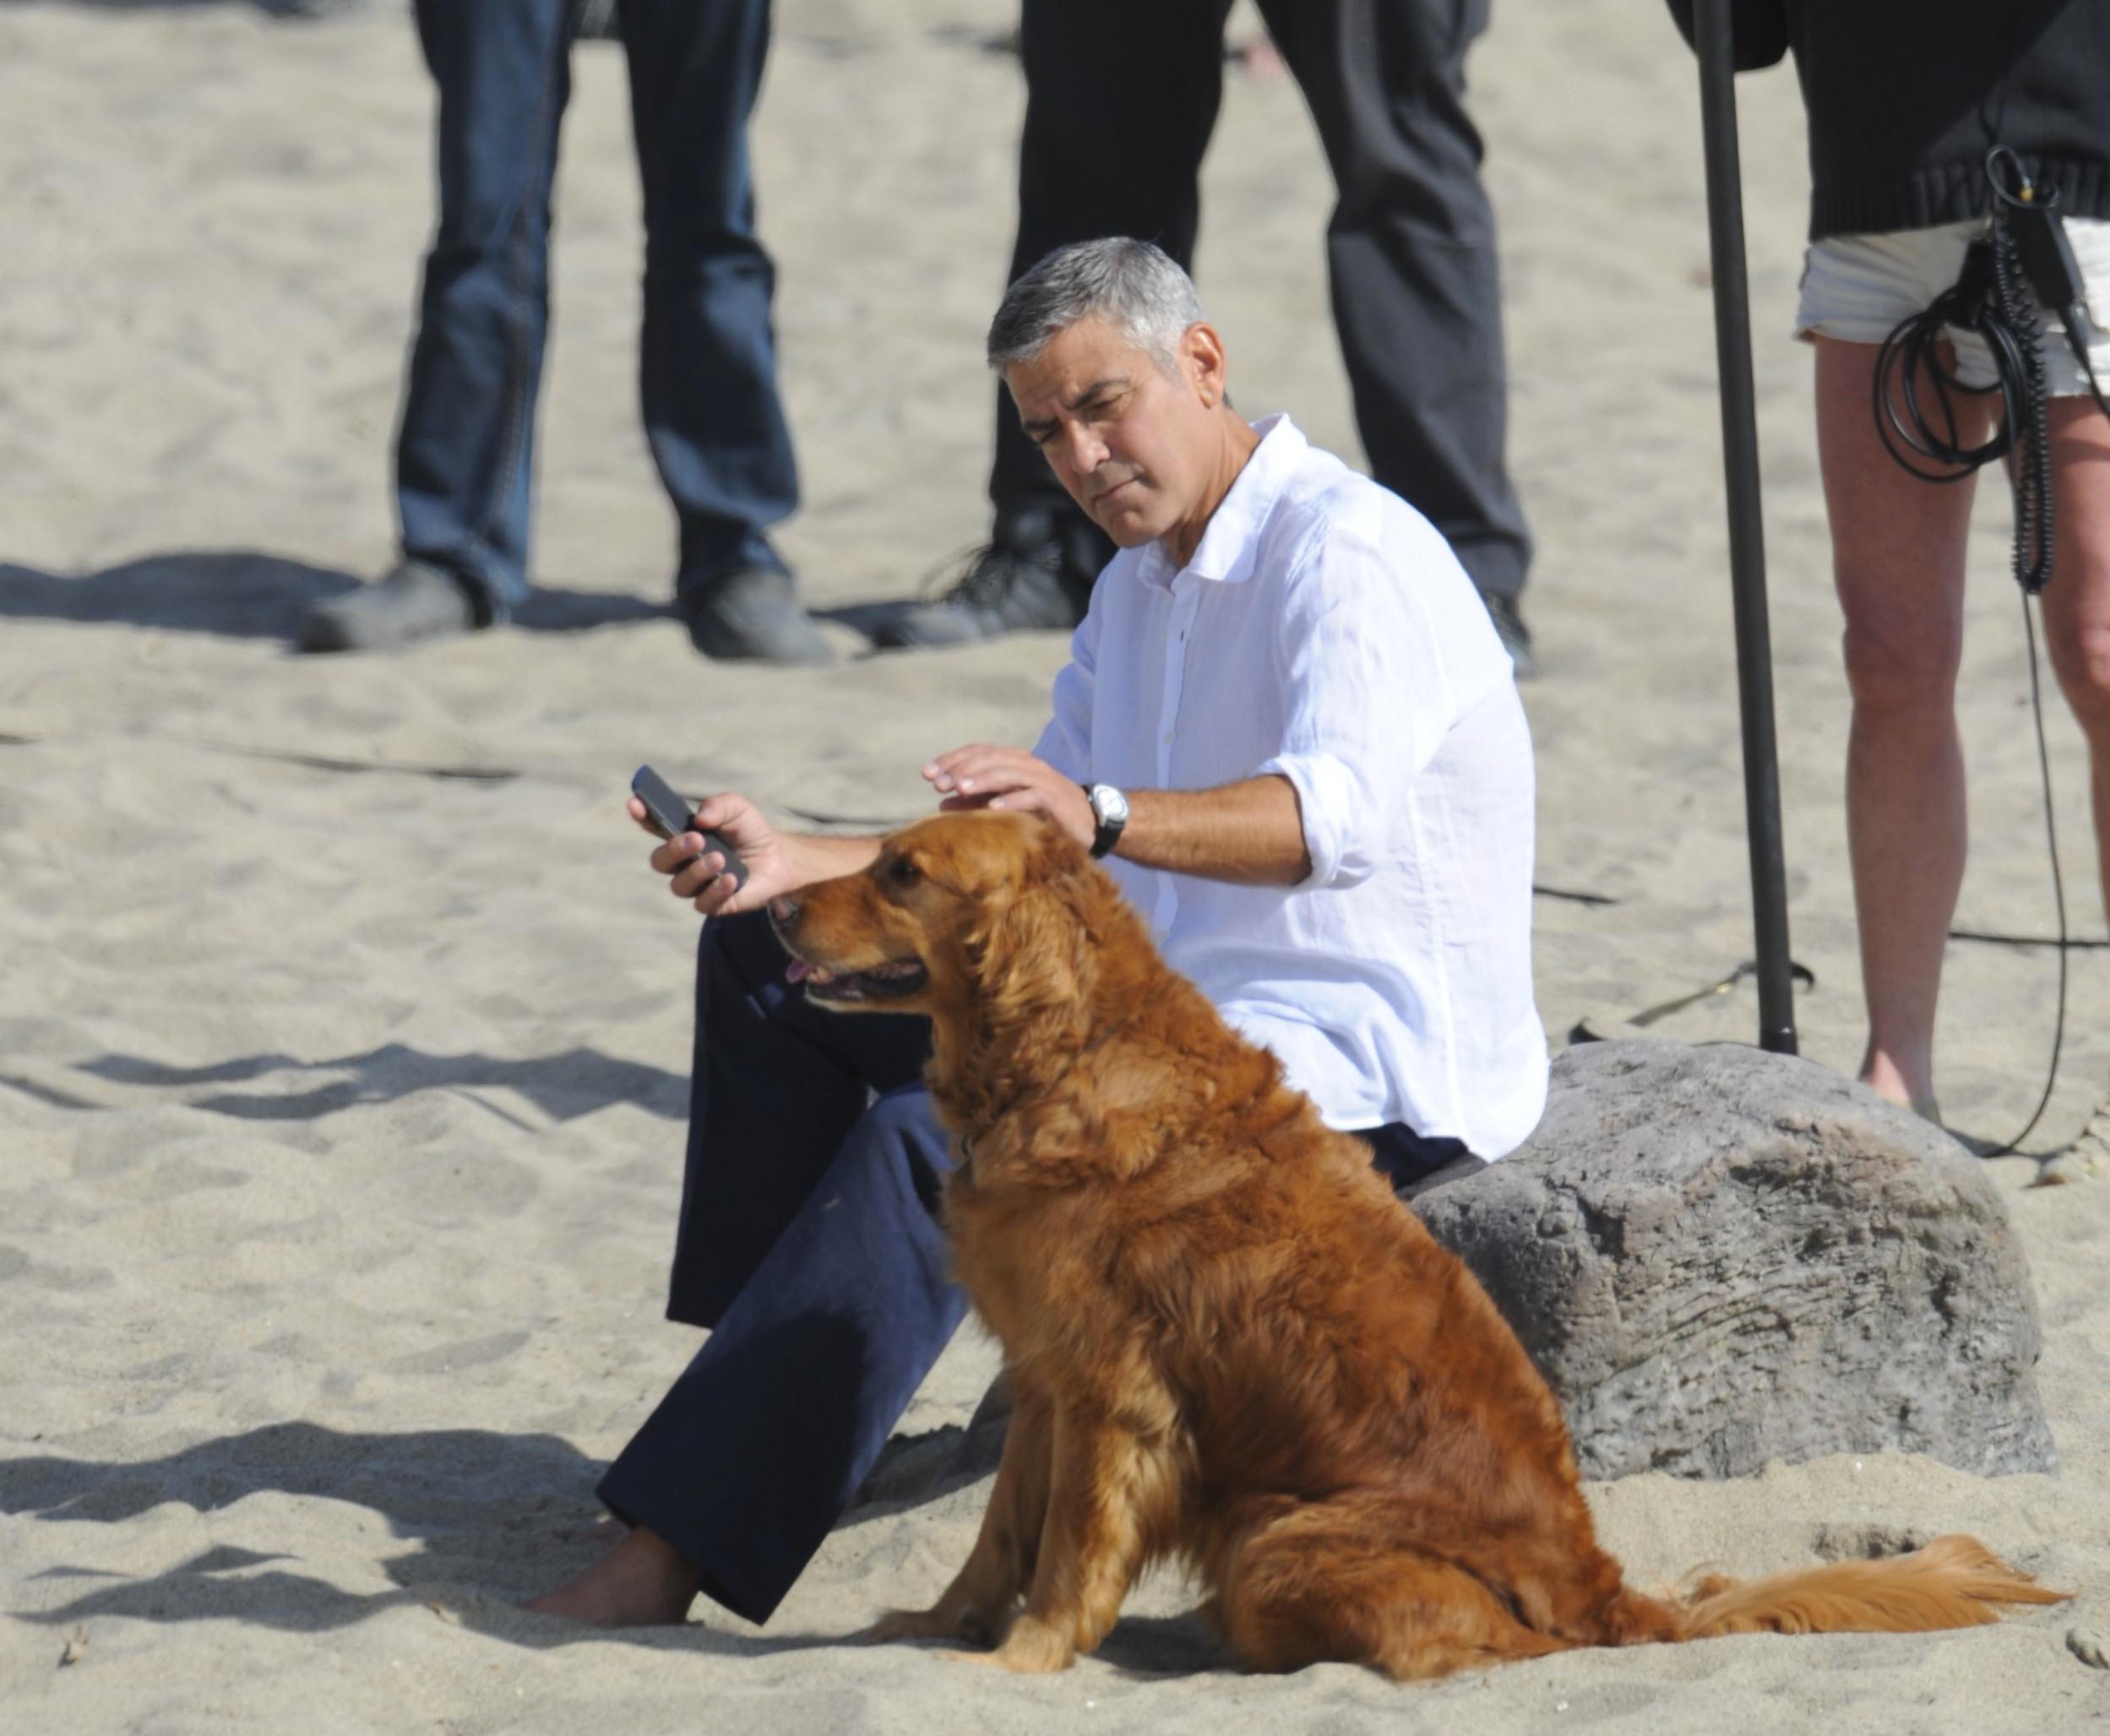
<point>880,982</point>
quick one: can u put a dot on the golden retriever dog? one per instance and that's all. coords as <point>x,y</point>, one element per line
<point>1229,1345</point>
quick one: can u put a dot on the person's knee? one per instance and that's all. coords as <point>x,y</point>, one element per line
<point>1899,666</point>
<point>2081,657</point>
<point>901,1132</point>
<point>902,1119</point>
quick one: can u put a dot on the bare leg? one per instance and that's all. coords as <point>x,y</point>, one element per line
<point>977,1605</point>
<point>1898,565</point>
<point>2077,601</point>
<point>641,1582</point>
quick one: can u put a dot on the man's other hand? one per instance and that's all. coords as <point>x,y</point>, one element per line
<point>979,777</point>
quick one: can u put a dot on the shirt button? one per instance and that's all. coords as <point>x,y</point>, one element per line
<point>1168,738</point>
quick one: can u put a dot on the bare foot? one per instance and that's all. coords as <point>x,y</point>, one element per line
<point>641,1582</point>
<point>1910,1086</point>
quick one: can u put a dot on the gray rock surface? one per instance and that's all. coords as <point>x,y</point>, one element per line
<point>1719,1257</point>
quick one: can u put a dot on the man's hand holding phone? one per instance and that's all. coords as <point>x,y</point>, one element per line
<point>725,857</point>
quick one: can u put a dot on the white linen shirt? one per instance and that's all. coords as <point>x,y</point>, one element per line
<point>1323,630</point>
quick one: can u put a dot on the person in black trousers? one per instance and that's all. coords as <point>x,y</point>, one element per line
<point>1121,99</point>
<point>464,454</point>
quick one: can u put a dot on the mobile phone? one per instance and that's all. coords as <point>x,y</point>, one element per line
<point>674,816</point>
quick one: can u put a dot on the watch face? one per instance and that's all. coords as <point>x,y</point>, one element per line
<point>1109,805</point>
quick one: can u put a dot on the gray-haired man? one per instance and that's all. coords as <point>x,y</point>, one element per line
<point>1289,731</point>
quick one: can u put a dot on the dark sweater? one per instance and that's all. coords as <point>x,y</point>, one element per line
<point>1905,96</point>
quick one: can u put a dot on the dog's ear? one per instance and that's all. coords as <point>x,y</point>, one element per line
<point>1034,958</point>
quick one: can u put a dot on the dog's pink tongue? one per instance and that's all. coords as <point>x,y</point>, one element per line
<point>797,971</point>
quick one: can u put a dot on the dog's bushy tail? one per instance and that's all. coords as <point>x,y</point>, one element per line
<point>1953,1582</point>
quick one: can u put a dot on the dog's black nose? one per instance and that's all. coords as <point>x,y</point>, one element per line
<point>784,911</point>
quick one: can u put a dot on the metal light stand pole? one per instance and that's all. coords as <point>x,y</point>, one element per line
<point>1747,536</point>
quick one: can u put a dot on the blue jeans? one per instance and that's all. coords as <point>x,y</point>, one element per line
<point>810,1242</point>
<point>465,455</point>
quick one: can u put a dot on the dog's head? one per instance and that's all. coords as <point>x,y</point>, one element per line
<point>974,919</point>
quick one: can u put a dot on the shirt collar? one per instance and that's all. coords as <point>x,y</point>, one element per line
<point>1231,538</point>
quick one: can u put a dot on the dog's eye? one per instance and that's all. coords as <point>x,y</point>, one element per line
<point>903,873</point>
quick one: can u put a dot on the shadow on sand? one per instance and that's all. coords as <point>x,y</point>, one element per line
<point>242,593</point>
<point>493,1517</point>
<point>564,1086</point>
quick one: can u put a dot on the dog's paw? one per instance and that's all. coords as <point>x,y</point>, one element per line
<point>907,1624</point>
<point>1033,1647</point>
<point>935,1624</point>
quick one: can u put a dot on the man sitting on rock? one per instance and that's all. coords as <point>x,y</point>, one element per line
<point>1290,732</point>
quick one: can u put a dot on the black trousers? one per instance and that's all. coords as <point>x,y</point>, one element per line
<point>1121,98</point>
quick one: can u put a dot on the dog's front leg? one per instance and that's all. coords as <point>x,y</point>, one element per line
<point>1101,1480</point>
<point>977,1605</point>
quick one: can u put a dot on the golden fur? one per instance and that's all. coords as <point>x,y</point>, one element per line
<point>1228,1345</point>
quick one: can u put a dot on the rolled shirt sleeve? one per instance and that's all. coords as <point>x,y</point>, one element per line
<point>1329,801</point>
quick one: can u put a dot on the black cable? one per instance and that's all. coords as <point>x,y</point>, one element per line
<point>1990,300</point>
<point>2025,942</point>
<point>2087,360</point>
<point>2058,890</point>
<point>2030,467</point>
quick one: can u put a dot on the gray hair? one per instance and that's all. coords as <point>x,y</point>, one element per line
<point>1133,282</point>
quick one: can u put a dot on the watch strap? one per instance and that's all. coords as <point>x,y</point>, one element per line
<point>1109,832</point>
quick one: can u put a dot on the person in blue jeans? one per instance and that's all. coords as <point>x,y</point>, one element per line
<point>465,455</point>
<point>1290,733</point>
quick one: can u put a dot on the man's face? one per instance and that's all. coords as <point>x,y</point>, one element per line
<point>1131,441</point>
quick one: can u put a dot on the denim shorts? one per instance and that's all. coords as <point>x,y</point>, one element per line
<point>1857,288</point>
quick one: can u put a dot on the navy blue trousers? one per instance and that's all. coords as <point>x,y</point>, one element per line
<point>465,455</point>
<point>809,1243</point>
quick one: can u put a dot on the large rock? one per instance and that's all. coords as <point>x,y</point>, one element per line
<point>1719,1257</point>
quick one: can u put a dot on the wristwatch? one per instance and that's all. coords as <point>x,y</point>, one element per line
<point>1110,807</point>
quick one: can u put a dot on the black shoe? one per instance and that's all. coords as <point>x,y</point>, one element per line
<point>750,616</point>
<point>1033,577</point>
<point>416,602</point>
<point>1509,628</point>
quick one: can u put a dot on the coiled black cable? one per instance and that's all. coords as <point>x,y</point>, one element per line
<point>1990,299</point>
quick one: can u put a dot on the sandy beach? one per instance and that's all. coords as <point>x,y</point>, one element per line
<point>344,1035</point>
